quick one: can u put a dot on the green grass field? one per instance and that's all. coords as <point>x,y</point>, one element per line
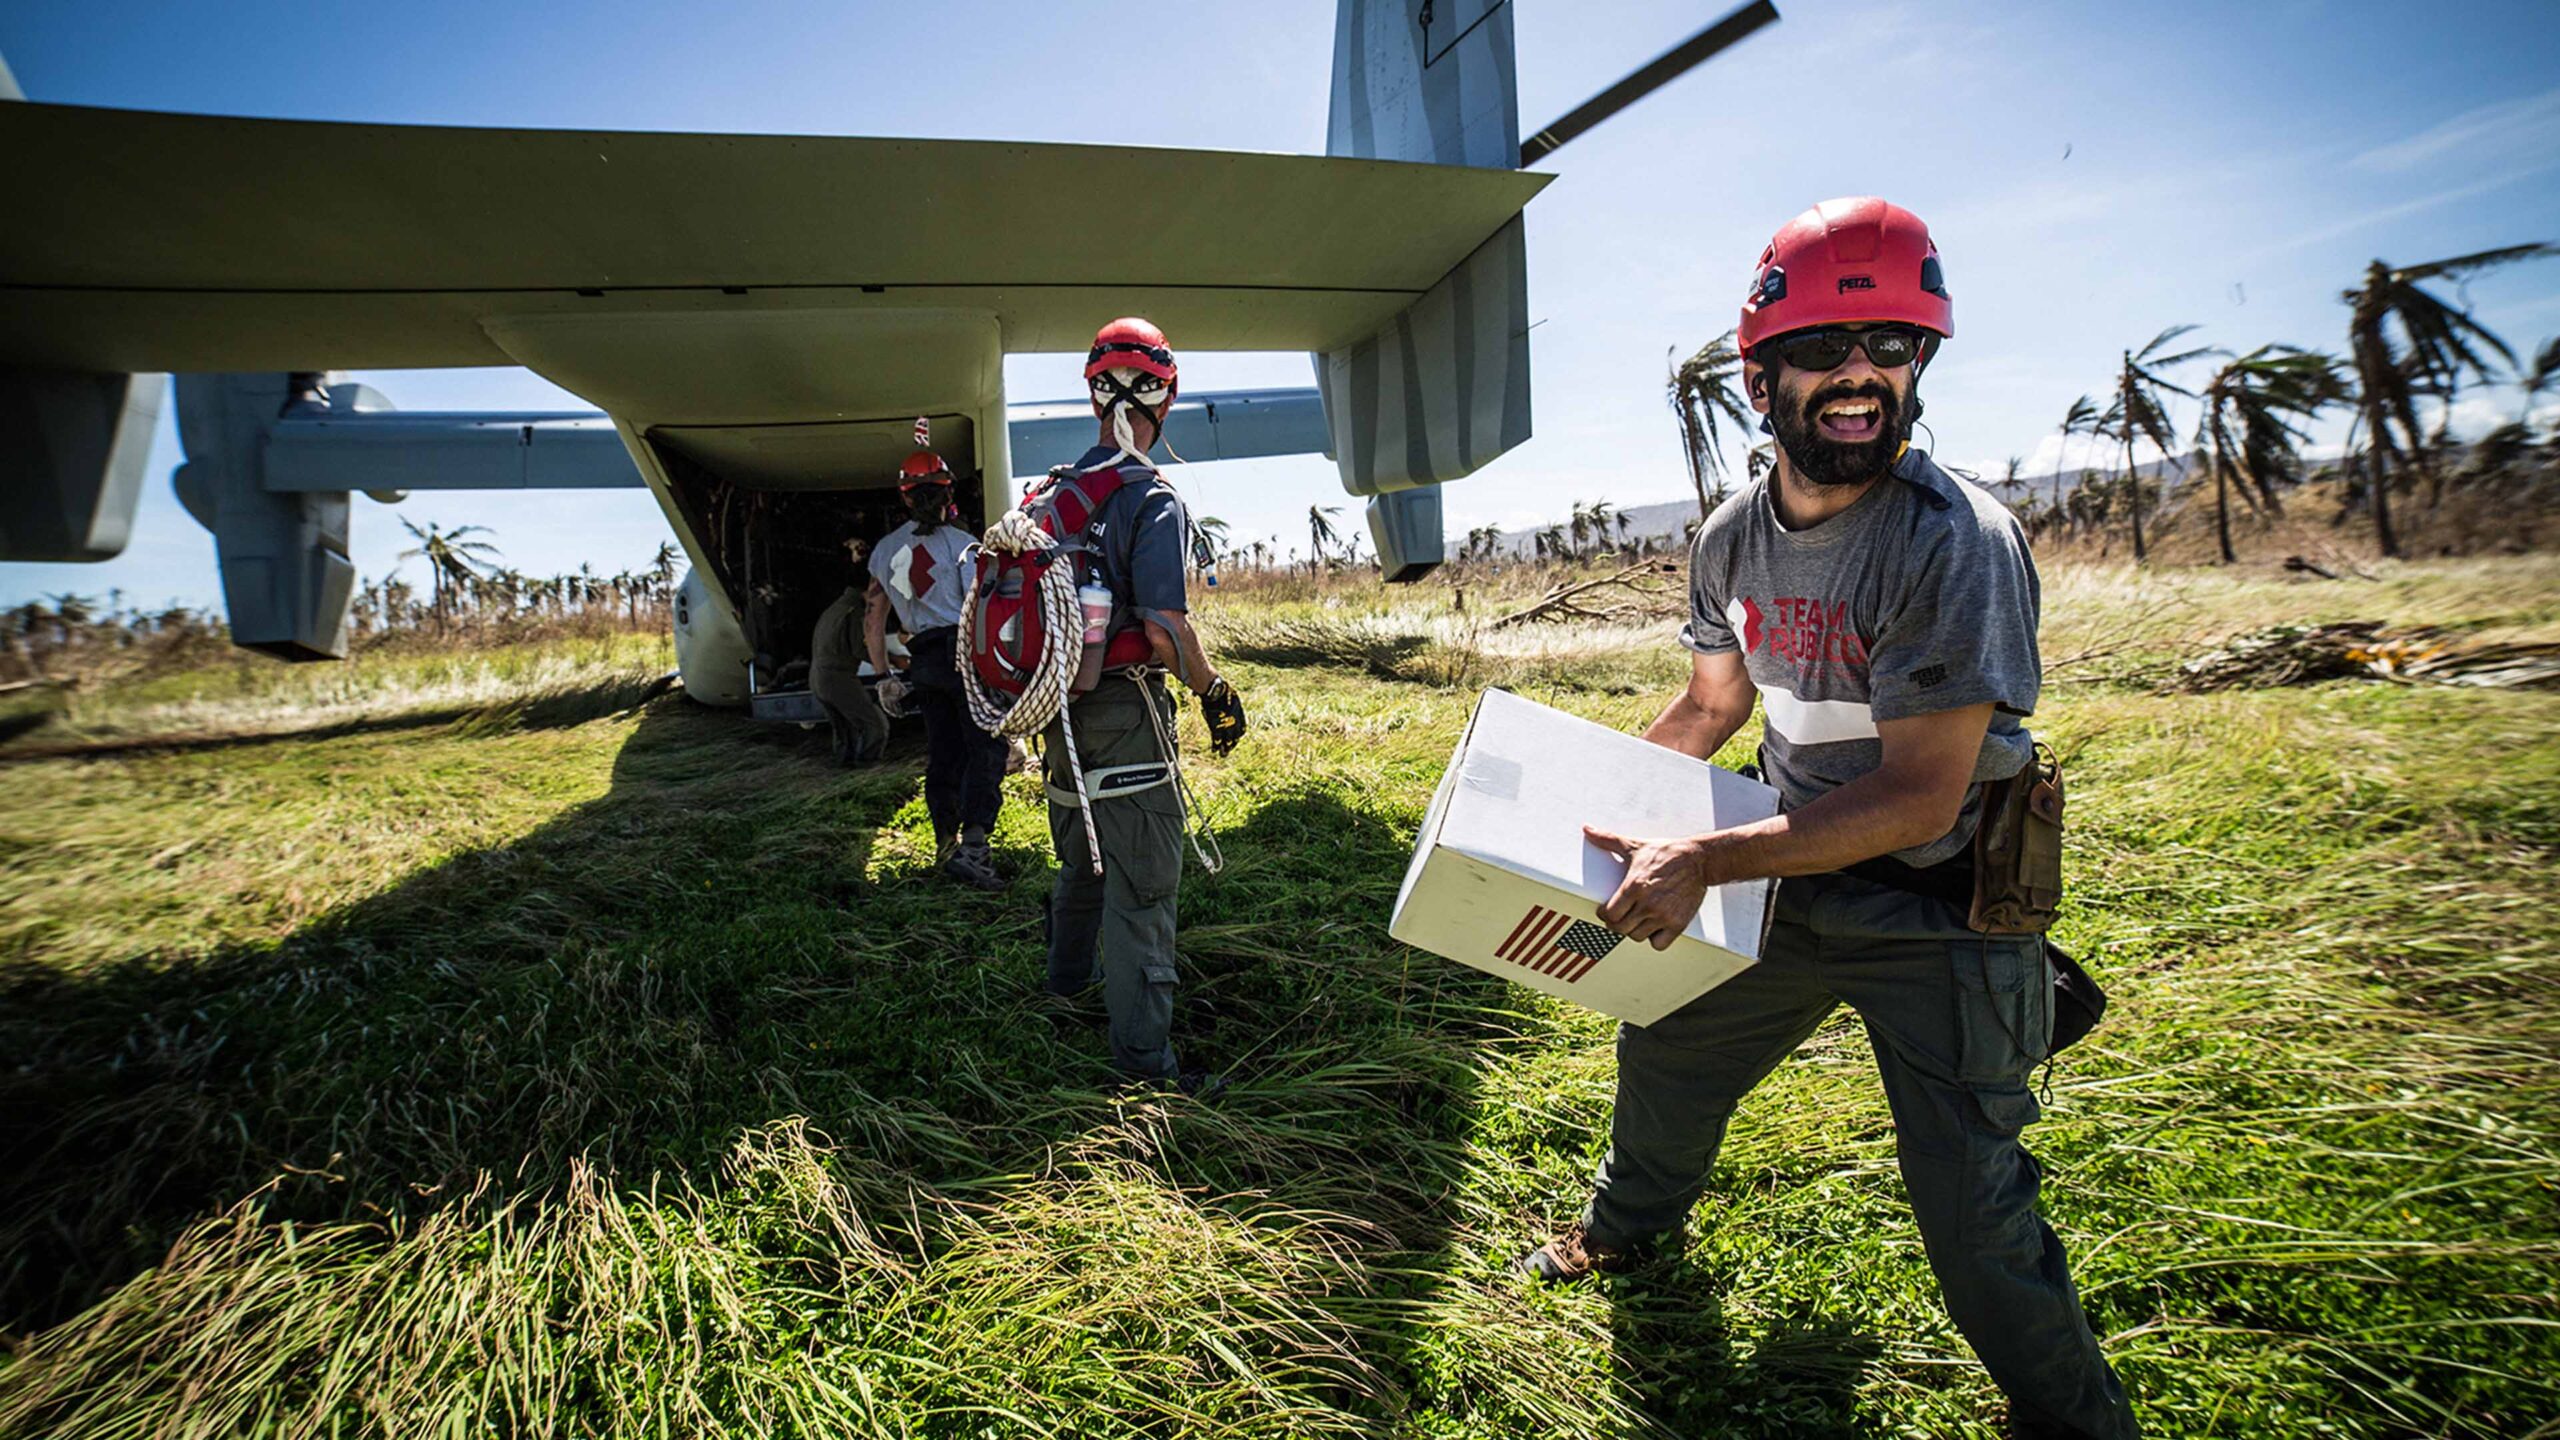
<point>441,1045</point>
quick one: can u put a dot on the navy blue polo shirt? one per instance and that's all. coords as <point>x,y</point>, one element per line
<point>1138,541</point>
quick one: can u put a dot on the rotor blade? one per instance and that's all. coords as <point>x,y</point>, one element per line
<point>1670,65</point>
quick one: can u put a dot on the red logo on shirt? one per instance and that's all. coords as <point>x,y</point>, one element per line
<point>919,570</point>
<point>1805,632</point>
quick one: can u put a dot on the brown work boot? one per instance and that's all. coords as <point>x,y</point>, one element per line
<point>1579,1253</point>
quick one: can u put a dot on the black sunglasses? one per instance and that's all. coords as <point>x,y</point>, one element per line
<point>1888,347</point>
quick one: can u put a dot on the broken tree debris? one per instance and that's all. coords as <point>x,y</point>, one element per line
<point>1634,592</point>
<point>2367,649</point>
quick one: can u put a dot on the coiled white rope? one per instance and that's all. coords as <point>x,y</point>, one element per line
<point>1053,674</point>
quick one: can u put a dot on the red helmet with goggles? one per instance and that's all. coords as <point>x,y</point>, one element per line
<point>1136,344</point>
<point>1848,262</point>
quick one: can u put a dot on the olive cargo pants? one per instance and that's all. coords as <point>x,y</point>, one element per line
<point>1958,1021</point>
<point>1127,913</point>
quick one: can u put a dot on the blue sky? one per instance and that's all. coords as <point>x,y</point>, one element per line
<point>2231,165</point>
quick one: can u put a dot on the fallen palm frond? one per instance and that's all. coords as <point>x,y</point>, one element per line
<point>1376,644</point>
<point>2515,665</point>
<point>2279,655</point>
<point>2308,654</point>
<point>1632,592</point>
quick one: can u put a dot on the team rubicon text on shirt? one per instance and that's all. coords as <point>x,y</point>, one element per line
<point>1804,630</point>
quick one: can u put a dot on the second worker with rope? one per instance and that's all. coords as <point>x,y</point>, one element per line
<point>1109,758</point>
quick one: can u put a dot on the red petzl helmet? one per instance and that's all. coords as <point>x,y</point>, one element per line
<point>1135,343</point>
<point>923,468</point>
<point>1858,261</point>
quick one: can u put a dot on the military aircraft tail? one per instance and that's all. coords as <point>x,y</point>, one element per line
<point>1443,388</point>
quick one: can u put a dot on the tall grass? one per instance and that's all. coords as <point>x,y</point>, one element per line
<point>627,1072</point>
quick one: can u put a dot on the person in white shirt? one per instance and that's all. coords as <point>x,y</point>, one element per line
<point>918,571</point>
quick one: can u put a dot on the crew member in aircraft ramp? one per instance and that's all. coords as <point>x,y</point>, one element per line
<point>836,650</point>
<point>918,569</point>
<point>1885,614</point>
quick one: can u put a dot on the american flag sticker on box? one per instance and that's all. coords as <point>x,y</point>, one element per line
<point>1503,880</point>
<point>1556,944</point>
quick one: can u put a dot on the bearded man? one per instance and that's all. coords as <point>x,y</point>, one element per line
<point>1884,614</point>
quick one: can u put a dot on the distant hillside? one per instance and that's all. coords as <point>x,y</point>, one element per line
<point>1673,518</point>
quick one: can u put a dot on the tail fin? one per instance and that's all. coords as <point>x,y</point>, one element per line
<point>1443,389</point>
<point>1433,82</point>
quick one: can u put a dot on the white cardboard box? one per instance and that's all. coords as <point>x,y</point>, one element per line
<point>1503,880</point>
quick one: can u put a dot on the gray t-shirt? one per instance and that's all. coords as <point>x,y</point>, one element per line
<point>926,582</point>
<point>1920,597</point>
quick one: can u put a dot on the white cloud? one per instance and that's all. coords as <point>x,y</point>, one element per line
<point>2480,412</point>
<point>2523,129</point>
<point>2405,207</point>
<point>2081,453</point>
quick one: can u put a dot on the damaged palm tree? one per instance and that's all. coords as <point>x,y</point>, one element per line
<point>2436,344</point>
<point>2140,414</point>
<point>2251,406</point>
<point>2081,419</point>
<point>1705,393</point>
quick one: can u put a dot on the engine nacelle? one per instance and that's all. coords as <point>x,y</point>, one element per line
<point>286,578</point>
<point>711,651</point>
<point>72,446</point>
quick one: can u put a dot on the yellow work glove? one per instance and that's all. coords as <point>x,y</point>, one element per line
<point>1222,710</point>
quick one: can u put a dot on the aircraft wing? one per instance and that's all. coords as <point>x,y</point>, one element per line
<point>151,241</point>
<point>1219,425</point>
<point>365,444</point>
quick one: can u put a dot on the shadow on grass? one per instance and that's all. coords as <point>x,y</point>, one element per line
<point>26,716</point>
<point>614,986</point>
<point>710,947</point>
<point>1797,1378</point>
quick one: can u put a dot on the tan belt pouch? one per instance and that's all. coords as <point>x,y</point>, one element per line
<point>2017,850</point>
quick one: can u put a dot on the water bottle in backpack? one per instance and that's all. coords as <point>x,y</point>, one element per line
<point>1096,603</point>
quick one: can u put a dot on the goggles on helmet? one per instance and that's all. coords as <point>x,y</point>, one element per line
<point>1145,387</point>
<point>1888,347</point>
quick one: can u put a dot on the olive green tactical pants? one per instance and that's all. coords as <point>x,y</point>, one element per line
<point>1958,1021</point>
<point>1127,913</point>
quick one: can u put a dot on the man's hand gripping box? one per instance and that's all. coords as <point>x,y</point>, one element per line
<point>1503,880</point>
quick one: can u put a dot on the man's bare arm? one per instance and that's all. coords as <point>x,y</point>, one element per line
<point>1178,649</point>
<point>1706,714</point>
<point>1911,798</point>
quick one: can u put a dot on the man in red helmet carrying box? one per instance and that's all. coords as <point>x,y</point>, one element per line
<point>1135,539</point>
<point>1884,615</point>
